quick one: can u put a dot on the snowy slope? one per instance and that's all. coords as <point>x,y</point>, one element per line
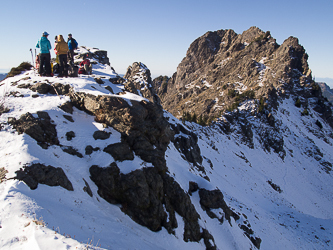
<point>298,217</point>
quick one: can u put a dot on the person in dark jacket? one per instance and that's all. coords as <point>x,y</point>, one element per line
<point>72,45</point>
<point>62,49</point>
<point>45,57</point>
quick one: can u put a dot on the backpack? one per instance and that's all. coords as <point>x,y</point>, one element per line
<point>73,70</point>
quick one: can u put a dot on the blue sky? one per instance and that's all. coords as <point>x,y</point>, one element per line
<point>158,33</point>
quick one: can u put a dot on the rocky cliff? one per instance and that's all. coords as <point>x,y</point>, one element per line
<point>222,69</point>
<point>327,91</point>
<point>102,150</point>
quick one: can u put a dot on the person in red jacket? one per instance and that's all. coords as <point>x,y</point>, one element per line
<point>85,66</point>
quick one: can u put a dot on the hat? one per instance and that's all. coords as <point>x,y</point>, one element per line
<point>69,34</point>
<point>45,33</point>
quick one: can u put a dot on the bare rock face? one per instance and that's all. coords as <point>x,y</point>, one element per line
<point>221,69</point>
<point>139,82</point>
<point>142,125</point>
<point>144,194</point>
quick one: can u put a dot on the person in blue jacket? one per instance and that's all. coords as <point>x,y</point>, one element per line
<point>44,46</point>
<point>72,45</point>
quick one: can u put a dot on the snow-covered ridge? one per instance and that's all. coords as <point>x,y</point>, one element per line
<point>298,217</point>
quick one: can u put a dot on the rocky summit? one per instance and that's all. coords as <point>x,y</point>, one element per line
<point>234,151</point>
<point>222,69</point>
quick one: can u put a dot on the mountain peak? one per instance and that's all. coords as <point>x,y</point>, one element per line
<point>222,62</point>
<point>97,157</point>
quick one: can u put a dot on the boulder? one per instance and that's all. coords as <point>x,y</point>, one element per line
<point>101,135</point>
<point>41,87</point>
<point>119,151</point>
<point>41,129</point>
<point>40,174</point>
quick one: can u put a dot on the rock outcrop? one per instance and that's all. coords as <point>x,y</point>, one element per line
<point>222,69</point>
<point>41,129</point>
<point>151,199</point>
<point>40,174</point>
<point>239,79</point>
<point>139,82</point>
<point>142,125</point>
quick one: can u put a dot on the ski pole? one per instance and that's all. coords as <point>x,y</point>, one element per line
<point>35,55</point>
<point>32,57</point>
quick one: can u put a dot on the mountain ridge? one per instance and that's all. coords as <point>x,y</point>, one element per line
<point>258,177</point>
<point>220,66</point>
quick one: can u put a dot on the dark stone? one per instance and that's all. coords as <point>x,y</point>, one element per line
<point>72,151</point>
<point>99,80</point>
<point>144,193</point>
<point>89,149</point>
<point>60,89</point>
<point>87,189</point>
<point>256,241</point>
<point>68,118</point>
<point>119,151</point>
<point>70,135</point>
<point>187,144</point>
<point>41,129</point>
<point>181,203</point>
<point>117,80</point>
<point>248,231</point>
<point>41,88</point>
<point>67,107</point>
<point>101,135</point>
<point>41,174</point>
<point>213,200</point>
<point>208,240</point>
<point>193,187</point>
<point>274,186</point>
<point>23,86</point>
<point>110,89</point>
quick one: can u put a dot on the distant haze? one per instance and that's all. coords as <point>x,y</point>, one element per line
<point>328,81</point>
<point>2,76</point>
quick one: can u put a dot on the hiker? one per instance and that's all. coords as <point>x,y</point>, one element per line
<point>85,66</point>
<point>55,50</point>
<point>72,45</point>
<point>62,50</point>
<point>44,46</point>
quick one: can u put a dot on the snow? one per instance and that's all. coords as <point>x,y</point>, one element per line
<point>262,70</point>
<point>300,217</point>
